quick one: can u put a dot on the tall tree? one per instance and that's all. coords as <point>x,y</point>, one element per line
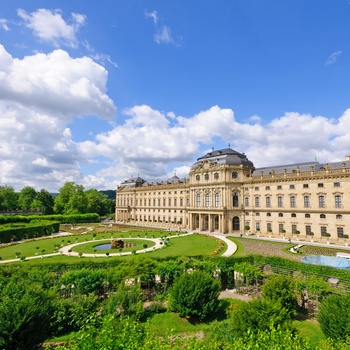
<point>97,202</point>
<point>71,199</point>
<point>26,197</point>
<point>8,198</point>
<point>46,201</point>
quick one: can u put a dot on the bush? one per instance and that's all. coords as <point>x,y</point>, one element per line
<point>334,316</point>
<point>195,294</point>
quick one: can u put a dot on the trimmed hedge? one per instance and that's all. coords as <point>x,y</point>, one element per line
<point>19,231</point>
<point>70,219</point>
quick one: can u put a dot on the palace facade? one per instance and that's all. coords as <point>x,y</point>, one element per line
<point>225,193</point>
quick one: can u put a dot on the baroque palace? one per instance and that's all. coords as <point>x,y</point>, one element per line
<point>225,193</point>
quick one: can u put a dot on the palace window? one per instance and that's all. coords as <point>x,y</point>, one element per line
<point>181,202</point>
<point>307,216</point>
<point>267,187</point>
<point>336,184</point>
<point>217,199</point>
<point>280,202</point>
<point>338,201</point>
<point>292,202</point>
<point>280,215</point>
<point>322,216</point>
<point>293,215</point>
<point>256,188</point>
<point>206,177</point>
<point>279,187</point>
<point>175,202</point>
<point>257,201</point>
<point>339,217</point>
<point>306,202</point>
<point>246,201</point>
<point>207,200</point>
<point>198,177</point>
<point>308,230</point>
<point>321,202</point>
<point>305,185</point>
<point>234,175</point>
<point>340,232</point>
<point>323,231</point>
<point>269,227</point>
<point>280,228</point>
<point>235,200</point>
<point>216,176</point>
<point>320,185</point>
<point>198,200</point>
<point>294,229</point>
<point>257,225</point>
<point>268,214</point>
<point>292,187</point>
<point>268,202</point>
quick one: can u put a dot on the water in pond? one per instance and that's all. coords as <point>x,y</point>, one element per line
<point>106,246</point>
<point>331,261</point>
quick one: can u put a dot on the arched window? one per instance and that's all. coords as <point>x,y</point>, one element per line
<point>198,198</point>
<point>216,176</point>
<point>294,215</point>
<point>280,215</point>
<point>217,199</point>
<point>207,199</point>
<point>307,216</point>
<point>339,216</point>
<point>322,216</point>
<point>268,214</point>
<point>206,177</point>
<point>198,177</point>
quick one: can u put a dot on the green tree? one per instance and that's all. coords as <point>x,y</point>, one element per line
<point>97,202</point>
<point>71,199</point>
<point>282,289</point>
<point>46,202</point>
<point>8,198</point>
<point>195,294</point>
<point>258,315</point>
<point>26,197</point>
<point>334,316</point>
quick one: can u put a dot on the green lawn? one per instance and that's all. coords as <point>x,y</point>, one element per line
<point>191,245</point>
<point>310,329</point>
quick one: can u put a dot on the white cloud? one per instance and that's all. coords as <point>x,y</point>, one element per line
<point>39,96</point>
<point>56,83</point>
<point>162,34</point>
<point>333,57</point>
<point>49,26</point>
<point>3,24</point>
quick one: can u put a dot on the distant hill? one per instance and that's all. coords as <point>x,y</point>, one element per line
<point>110,193</point>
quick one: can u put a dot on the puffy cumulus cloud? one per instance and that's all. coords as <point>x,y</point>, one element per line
<point>56,83</point>
<point>147,144</point>
<point>49,26</point>
<point>39,96</point>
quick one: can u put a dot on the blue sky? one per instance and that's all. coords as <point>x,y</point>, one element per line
<point>97,93</point>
